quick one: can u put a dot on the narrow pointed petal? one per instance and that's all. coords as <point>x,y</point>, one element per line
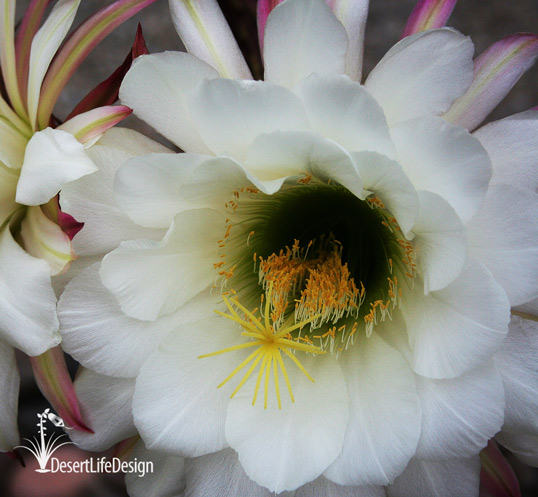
<point>90,125</point>
<point>264,9</point>
<point>8,186</point>
<point>45,240</point>
<point>496,71</point>
<point>53,158</point>
<point>13,146</point>
<point>23,42</point>
<point>497,478</point>
<point>52,378</point>
<point>206,35</point>
<point>44,46</point>
<point>7,54</point>
<point>87,36</point>
<point>106,92</point>
<point>9,392</point>
<point>353,14</point>
<point>429,14</point>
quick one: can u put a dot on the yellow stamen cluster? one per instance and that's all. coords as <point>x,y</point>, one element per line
<point>270,343</point>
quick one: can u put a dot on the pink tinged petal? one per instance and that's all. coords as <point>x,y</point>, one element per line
<point>143,275</point>
<point>497,478</point>
<point>352,14</point>
<point>221,474</point>
<point>105,404</point>
<point>53,158</point>
<point>166,479</point>
<point>197,407</point>
<point>504,236</point>
<point>106,92</point>
<point>206,35</point>
<point>44,46</point>
<point>27,302</point>
<point>86,37</point>
<point>429,14</point>
<point>69,225</point>
<point>44,239</point>
<point>516,362</point>
<point>511,144</point>
<point>460,415</point>
<point>7,55</point>
<point>157,88</point>
<point>459,327</point>
<point>448,478</point>
<point>343,111</point>
<point>9,392</point>
<point>496,71</point>
<point>302,38</point>
<point>230,114</point>
<point>299,441</point>
<point>92,124</point>
<point>264,8</point>
<point>422,74</point>
<point>326,488</point>
<point>444,159</point>
<point>23,42</point>
<point>441,248</point>
<point>377,444</point>
<point>52,378</point>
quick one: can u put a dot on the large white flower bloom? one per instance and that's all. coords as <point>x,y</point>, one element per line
<point>361,249</point>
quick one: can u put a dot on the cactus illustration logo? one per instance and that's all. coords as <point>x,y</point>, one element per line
<point>43,448</point>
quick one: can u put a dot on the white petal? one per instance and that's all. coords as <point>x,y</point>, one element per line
<point>90,199</point>
<point>284,449</point>
<point>157,88</point>
<point>44,239</point>
<point>522,445</point>
<point>511,144</point>
<point>152,189</point>
<point>378,444</point>
<point>444,159</point>
<point>176,381</point>
<point>460,415</point>
<point>105,405</point>
<point>450,478</point>
<point>8,186</point>
<point>459,327</point>
<point>9,392</point>
<point>166,480</point>
<point>206,35</point>
<point>386,179</point>
<point>302,38</point>
<point>27,302</point>
<point>100,336</point>
<point>343,111</point>
<point>273,157</point>
<point>221,474</point>
<point>517,361</point>
<point>504,236</point>
<point>13,146</point>
<point>151,279</point>
<point>422,74</point>
<point>325,488</point>
<point>52,159</point>
<point>440,242</point>
<point>45,45</point>
<point>231,114</point>
<point>353,14</point>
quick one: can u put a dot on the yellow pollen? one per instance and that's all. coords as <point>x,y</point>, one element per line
<point>270,342</point>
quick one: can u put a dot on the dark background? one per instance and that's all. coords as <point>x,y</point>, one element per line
<point>486,21</point>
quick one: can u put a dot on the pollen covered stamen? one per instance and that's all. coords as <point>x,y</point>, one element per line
<point>270,341</point>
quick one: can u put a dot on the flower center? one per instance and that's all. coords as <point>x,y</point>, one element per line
<point>325,261</point>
